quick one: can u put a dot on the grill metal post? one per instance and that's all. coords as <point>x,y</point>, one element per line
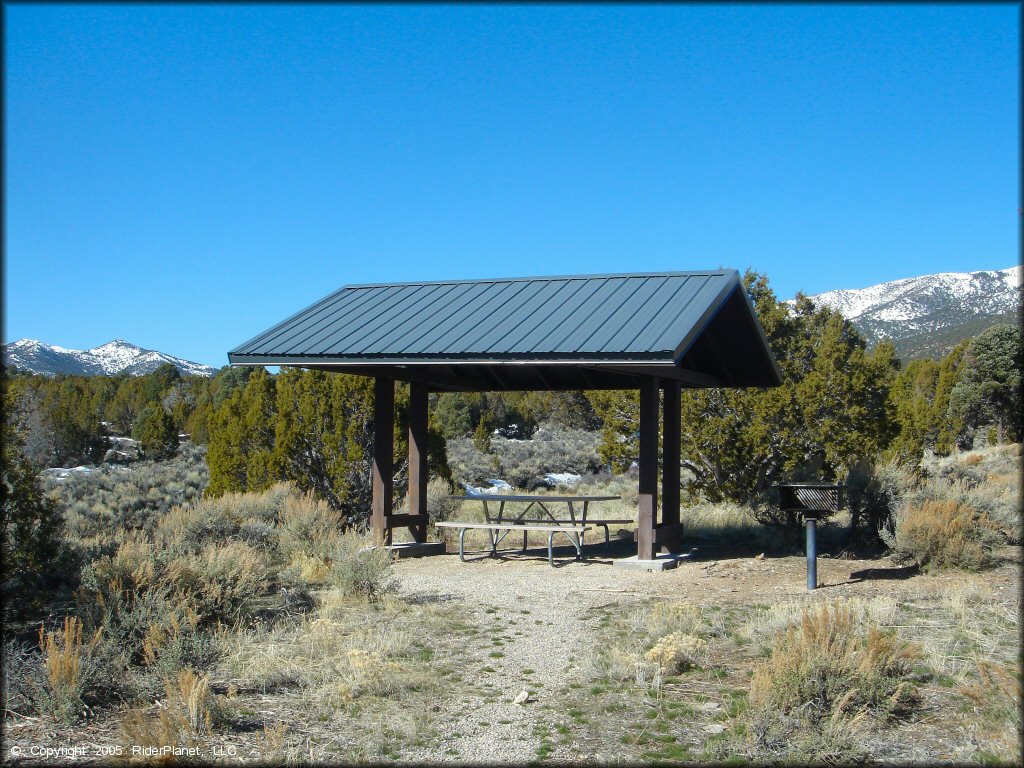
<point>812,554</point>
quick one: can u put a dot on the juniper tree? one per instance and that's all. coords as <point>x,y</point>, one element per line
<point>158,434</point>
<point>30,524</point>
<point>321,439</point>
<point>913,396</point>
<point>242,438</point>
<point>989,387</point>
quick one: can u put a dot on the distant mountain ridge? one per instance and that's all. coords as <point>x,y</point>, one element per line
<point>927,316</point>
<point>117,356</point>
<point>923,316</point>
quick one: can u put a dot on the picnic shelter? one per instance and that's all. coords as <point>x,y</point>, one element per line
<point>654,332</point>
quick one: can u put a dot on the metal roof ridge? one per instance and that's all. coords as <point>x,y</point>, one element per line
<point>661,273</point>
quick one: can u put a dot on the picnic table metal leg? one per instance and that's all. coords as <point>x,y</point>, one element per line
<point>462,541</point>
<point>575,539</point>
<point>525,533</point>
<point>572,518</point>
<point>491,534</point>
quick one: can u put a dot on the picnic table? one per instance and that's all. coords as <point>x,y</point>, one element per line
<point>498,525</point>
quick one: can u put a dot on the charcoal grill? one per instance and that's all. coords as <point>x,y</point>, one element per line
<point>811,501</point>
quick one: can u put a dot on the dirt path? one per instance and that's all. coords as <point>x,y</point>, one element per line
<point>536,623</point>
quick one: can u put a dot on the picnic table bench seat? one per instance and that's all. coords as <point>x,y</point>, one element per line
<point>599,523</point>
<point>550,528</point>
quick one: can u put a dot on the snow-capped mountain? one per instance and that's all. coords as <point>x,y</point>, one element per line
<point>926,316</point>
<point>117,356</point>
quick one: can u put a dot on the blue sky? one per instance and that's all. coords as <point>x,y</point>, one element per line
<point>185,176</point>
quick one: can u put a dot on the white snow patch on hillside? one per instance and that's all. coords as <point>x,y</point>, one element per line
<point>1013,277</point>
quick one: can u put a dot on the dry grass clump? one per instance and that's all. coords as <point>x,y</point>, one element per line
<point>666,638</point>
<point>184,717</point>
<point>273,739</point>
<point>822,682</point>
<point>829,666</point>
<point>358,569</point>
<point>343,654</point>
<point>960,625</point>
<point>664,618</point>
<point>766,622</point>
<point>943,534</point>
<point>792,740</point>
<point>367,673</point>
<point>996,695</point>
<point>69,670</point>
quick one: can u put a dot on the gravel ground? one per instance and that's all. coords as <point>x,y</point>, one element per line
<point>551,639</point>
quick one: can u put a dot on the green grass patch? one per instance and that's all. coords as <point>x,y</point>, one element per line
<point>667,753</point>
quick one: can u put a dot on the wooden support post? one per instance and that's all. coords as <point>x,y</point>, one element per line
<point>383,457</point>
<point>648,484</point>
<point>670,437</point>
<point>418,459</point>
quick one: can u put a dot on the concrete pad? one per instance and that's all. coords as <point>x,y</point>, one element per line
<point>417,549</point>
<point>659,563</point>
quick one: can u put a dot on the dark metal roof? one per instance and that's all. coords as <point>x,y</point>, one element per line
<point>571,332</point>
